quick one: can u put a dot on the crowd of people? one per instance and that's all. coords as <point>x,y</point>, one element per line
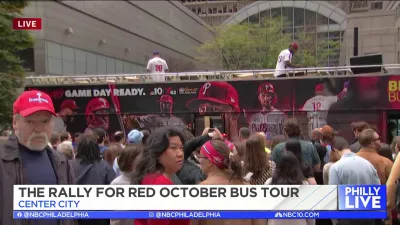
<point>35,154</point>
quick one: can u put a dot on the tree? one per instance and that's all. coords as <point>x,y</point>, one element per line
<point>257,46</point>
<point>11,70</point>
<point>232,47</point>
<point>179,65</point>
<point>314,51</point>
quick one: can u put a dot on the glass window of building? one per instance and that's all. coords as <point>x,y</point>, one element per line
<point>276,12</point>
<point>53,50</point>
<point>110,65</point>
<point>322,20</point>
<point>127,67</point>
<point>266,14</point>
<point>80,62</point>
<point>299,20</point>
<point>134,68</point>
<point>68,60</point>
<point>101,64</point>
<point>65,60</point>
<point>254,18</point>
<point>54,58</point>
<point>310,18</point>
<point>91,63</point>
<point>119,66</point>
<point>287,12</point>
<point>68,67</point>
<point>54,66</point>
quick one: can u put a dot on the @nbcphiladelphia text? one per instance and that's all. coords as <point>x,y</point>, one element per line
<point>155,215</point>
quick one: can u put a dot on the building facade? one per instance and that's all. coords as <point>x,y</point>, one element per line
<point>377,21</point>
<point>396,7</point>
<point>214,12</point>
<point>114,37</point>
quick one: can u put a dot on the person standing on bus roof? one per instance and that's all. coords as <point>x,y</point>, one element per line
<point>157,67</point>
<point>285,60</point>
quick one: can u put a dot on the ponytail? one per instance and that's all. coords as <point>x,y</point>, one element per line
<point>231,162</point>
<point>234,164</point>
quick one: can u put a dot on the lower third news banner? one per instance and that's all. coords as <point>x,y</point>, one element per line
<point>206,202</point>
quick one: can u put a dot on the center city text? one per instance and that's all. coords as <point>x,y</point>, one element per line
<point>46,204</point>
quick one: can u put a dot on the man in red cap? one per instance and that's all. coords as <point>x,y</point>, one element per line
<point>64,116</point>
<point>317,107</point>
<point>219,97</point>
<point>26,157</point>
<point>269,120</point>
<point>285,60</point>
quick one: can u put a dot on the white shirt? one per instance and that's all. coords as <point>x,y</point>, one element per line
<point>317,108</point>
<point>59,125</point>
<point>157,67</point>
<point>283,57</point>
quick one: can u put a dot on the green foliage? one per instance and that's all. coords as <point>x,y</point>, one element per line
<point>233,46</point>
<point>14,6</point>
<point>314,51</point>
<point>257,46</point>
<point>11,70</point>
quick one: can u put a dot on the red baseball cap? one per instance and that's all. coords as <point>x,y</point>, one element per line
<point>30,102</point>
<point>216,92</point>
<point>266,88</point>
<point>319,87</point>
<point>167,98</point>
<point>68,104</point>
<point>294,45</point>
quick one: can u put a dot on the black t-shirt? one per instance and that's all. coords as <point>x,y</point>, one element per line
<point>307,171</point>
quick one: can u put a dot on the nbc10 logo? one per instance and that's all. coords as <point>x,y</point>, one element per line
<point>362,197</point>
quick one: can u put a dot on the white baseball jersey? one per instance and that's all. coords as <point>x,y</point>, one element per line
<point>284,56</point>
<point>157,66</point>
<point>270,123</point>
<point>317,108</point>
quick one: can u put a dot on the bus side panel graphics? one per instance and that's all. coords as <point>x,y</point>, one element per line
<point>262,105</point>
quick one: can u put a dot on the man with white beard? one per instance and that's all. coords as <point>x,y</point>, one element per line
<point>26,157</point>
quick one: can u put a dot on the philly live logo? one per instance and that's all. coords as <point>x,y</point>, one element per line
<point>38,99</point>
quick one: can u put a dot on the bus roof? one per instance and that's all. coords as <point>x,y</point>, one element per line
<point>55,80</point>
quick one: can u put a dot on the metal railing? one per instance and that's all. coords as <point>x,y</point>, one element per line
<point>200,76</point>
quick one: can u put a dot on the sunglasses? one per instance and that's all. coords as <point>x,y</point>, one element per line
<point>197,158</point>
<point>376,139</point>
